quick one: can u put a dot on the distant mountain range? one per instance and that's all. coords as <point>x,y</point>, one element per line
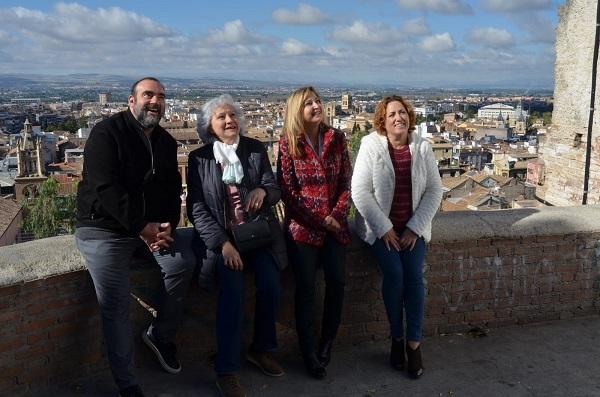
<point>115,82</point>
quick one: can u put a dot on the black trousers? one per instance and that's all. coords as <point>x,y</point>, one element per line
<point>306,258</point>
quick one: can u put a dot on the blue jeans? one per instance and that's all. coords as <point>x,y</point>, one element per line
<point>403,287</point>
<point>108,256</point>
<point>230,309</point>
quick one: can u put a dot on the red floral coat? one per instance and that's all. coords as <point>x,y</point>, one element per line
<point>313,188</point>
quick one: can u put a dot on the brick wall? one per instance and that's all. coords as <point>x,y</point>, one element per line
<point>50,332</point>
<point>520,269</point>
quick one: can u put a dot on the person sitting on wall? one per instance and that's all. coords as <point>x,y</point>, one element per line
<point>396,188</point>
<point>314,172</point>
<point>231,184</point>
<point>130,195</point>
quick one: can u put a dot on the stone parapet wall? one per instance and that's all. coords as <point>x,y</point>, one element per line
<point>487,269</point>
<point>564,147</point>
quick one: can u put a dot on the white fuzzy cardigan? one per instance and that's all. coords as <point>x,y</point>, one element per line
<point>373,184</point>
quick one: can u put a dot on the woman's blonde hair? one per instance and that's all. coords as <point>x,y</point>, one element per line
<point>293,124</point>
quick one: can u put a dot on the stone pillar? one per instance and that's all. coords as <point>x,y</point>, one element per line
<point>564,147</point>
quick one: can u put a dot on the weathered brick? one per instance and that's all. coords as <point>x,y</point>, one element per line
<point>484,251</point>
<point>8,290</point>
<point>12,344</point>
<point>35,338</point>
<point>555,238</point>
<point>478,316</point>
<point>35,324</point>
<point>9,316</point>
<point>34,351</point>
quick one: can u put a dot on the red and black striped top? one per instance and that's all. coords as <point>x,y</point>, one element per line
<point>402,204</point>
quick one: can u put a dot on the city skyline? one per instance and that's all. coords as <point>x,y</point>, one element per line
<point>506,43</point>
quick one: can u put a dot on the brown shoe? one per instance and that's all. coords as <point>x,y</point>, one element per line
<point>229,386</point>
<point>265,362</point>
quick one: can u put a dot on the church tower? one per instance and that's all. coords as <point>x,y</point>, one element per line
<point>30,167</point>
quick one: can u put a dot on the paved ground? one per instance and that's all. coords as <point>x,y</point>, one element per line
<point>553,359</point>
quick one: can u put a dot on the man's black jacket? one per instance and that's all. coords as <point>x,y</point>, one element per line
<point>128,179</point>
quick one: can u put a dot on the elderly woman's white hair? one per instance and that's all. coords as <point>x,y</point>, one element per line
<point>207,110</point>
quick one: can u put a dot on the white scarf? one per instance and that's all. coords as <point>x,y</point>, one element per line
<point>232,167</point>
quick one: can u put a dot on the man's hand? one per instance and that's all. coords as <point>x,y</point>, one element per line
<point>232,257</point>
<point>157,235</point>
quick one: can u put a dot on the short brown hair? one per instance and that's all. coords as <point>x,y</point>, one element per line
<point>379,117</point>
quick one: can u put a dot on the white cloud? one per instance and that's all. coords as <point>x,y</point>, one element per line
<point>6,38</point>
<point>415,27</point>
<point>491,37</point>
<point>540,28</point>
<point>361,33</point>
<point>517,5</point>
<point>438,43</point>
<point>234,32</point>
<point>304,15</point>
<point>440,6</point>
<point>295,47</point>
<point>75,23</point>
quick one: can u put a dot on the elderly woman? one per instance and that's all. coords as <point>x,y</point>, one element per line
<point>397,190</point>
<point>314,174</point>
<point>230,183</point>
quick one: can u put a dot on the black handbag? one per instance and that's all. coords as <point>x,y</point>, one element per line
<point>252,235</point>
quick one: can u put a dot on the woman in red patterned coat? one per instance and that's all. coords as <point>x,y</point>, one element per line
<point>314,173</point>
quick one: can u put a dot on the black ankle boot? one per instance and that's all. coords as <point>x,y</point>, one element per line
<point>324,352</point>
<point>397,354</point>
<point>314,367</point>
<point>415,362</point>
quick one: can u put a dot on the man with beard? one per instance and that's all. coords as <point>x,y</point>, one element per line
<point>128,203</point>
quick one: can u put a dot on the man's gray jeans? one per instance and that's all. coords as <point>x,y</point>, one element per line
<point>108,256</point>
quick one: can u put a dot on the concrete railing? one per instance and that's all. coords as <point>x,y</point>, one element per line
<point>483,269</point>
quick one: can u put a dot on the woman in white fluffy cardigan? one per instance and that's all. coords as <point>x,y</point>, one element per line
<point>396,188</point>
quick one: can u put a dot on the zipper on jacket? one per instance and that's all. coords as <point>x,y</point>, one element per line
<point>151,154</point>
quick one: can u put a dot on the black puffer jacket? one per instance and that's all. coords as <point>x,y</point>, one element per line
<point>128,180</point>
<point>206,198</point>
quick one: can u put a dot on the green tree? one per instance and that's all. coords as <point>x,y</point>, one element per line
<point>47,213</point>
<point>355,143</point>
<point>547,117</point>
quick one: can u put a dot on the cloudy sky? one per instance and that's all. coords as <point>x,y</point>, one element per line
<point>443,43</point>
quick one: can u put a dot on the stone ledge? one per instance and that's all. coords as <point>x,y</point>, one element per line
<point>513,223</point>
<point>39,259</point>
<point>57,255</point>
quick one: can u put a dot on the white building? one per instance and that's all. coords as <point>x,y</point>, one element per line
<point>425,111</point>
<point>499,109</point>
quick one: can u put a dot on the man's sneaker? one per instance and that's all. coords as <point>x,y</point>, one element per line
<point>166,353</point>
<point>229,386</point>
<point>131,391</point>
<point>265,362</point>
